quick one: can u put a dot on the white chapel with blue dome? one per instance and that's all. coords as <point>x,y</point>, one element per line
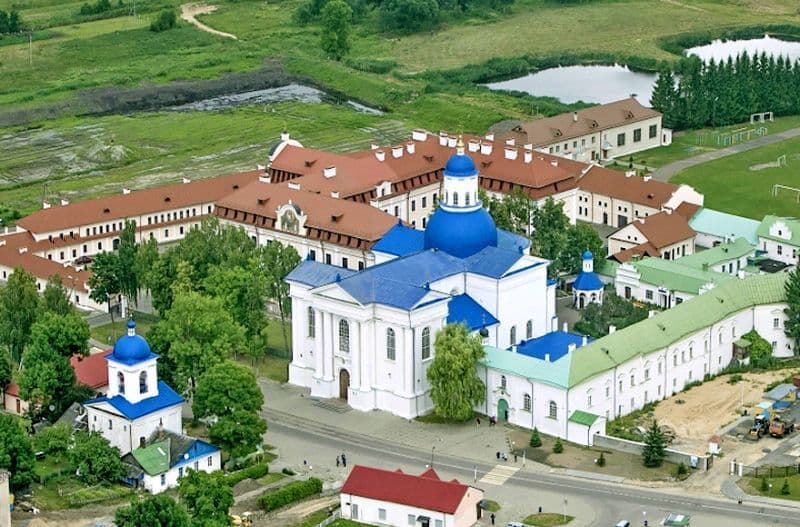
<point>587,287</point>
<point>368,336</point>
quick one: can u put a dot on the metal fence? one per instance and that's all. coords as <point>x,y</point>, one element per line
<point>330,519</point>
<point>771,472</point>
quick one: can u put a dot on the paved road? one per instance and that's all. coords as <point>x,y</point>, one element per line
<point>594,503</point>
<point>667,171</point>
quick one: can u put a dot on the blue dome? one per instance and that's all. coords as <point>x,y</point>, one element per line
<point>460,234</point>
<point>460,165</point>
<point>587,255</point>
<point>131,347</point>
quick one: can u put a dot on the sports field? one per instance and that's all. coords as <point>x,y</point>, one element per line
<point>732,184</point>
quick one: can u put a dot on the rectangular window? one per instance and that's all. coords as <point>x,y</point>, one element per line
<point>344,262</point>
<point>621,139</point>
<point>166,233</point>
<point>424,202</point>
<point>647,375</point>
<point>180,472</point>
<point>648,295</point>
<point>413,204</point>
<point>608,391</point>
<point>328,259</point>
<point>354,511</point>
<point>180,230</point>
<point>312,255</point>
<point>633,381</point>
<point>589,401</point>
<point>620,386</point>
<point>653,130</point>
<point>776,323</point>
<point>659,367</point>
<point>637,135</point>
<point>397,211</point>
<point>163,479</point>
<point>780,249</point>
<point>110,424</point>
<point>210,461</point>
<point>382,514</point>
<point>360,266</point>
<point>412,519</point>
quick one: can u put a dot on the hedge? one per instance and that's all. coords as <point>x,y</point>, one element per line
<point>97,494</point>
<point>251,472</point>
<point>290,493</point>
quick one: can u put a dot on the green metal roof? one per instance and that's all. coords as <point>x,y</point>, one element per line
<point>154,458</point>
<point>717,255</point>
<point>792,223</point>
<point>553,373</point>
<point>583,418</point>
<point>722,224</point>
<point>670,326</point>
<point>671,275</point>
<point>607,268</point>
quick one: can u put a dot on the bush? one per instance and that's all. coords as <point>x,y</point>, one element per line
<point>251,472</point>
<point>287,471</point>
<point>681,470</point>
<point>167,19</point>
<point>372,65</point>
<point>736,377</point>
<point>601,461</point>
<point>558,447</point>
<point>536,441</point>
<point>689,385</point>
<point>785,490</point>
<point>409,16</point>
<point>290,493</point>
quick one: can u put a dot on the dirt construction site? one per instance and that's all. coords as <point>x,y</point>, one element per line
<point>701,412</point>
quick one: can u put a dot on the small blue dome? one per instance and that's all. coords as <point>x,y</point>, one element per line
<point>131,347</point>
<point>460,165</point>
<point>460,234</point>
<point>587,255</point>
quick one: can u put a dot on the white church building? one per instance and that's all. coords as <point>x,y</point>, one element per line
<point>141,416</point>
<point>367,336</point>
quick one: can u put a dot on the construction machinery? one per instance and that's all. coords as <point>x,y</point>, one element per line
<point>781,426</point>
<point>760,427</point>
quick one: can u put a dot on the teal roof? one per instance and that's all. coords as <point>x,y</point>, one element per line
<point>672,275</point>
<point>583,418</point>
<point>154,458</point>
<point>717,255</point>
<point>792,223</point>
<point>721,224</point>
<point>607,268</point>
<point>553,373</point>
<point>670,326</point>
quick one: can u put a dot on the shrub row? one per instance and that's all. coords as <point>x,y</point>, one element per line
<point>372,65</point>
<point>290,493</point>
<point>251,472</point>
<point>82,497</point>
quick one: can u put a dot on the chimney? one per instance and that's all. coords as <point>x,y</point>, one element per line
<point>2,243</point>
<point>334,194</point>
<point>397,151</point>
<point>630,173</point>
<point>547,356</point>
<point>571,347</point>
<point>511,153</point>
<point>329,172</point>
<point>648,178</point>
<point>611,329</point>
<point>442,139</point>
<point>126,191</point>
<point>264,179</point>
<point>574,117</point>
<point>410,147</point>
<point>584,340</point>
<point>419,135</point>
<point>651,313</point>
<point>380,155</point>
<point>261,168</point>
<point>565,327</point>
<point>373,146</point>
<point>474,145</point>
<point>486,149</point>
<point>490,137</point>
<point>64,202</point>
<point>186,181</point>
<point>45,205</point>
<point>528,156</point>
<point>294,186</point>
<point>528,146</point>
<point>23,250</point>
<point>554,163</point>
<point>284,135</point>
<point>510,142</point>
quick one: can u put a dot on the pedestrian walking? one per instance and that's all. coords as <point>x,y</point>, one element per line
<point>515,457</point>
<point>492,518</point>
<point>478,421</point>
<point>344,460</point>
<point>338,461</point>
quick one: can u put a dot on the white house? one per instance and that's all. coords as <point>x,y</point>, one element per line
<point>664,234</point>
<point>367,336</point>
<point>137,403</point>
<point>393,498</point>
<point>779,238</point>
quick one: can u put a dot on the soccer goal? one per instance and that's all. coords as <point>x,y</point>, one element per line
<point>795,190</point>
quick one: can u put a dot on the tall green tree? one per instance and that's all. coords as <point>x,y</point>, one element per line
<point>655,445</point>
<point>207,498</point>
<point>792,325</point>
<point>513,212</point>
<point>95,459</point>
<point>408,16</point>
<point>146,258</point>
<point>19,309</point>
<point>55,298</point>
<point>16,452</point>
<point>664,95</point>
<point>6,370</point>
<point>276,260</point>
<point>335,38</point>
<point>66,335</point>
<point>580,237</point>
<point>105,282</point>
<point>550,232</point>
<point>198,333</point>
<point>230,392</point>
<point>127,252</point>
<point>152,511</point>
<point>455,387</point>
<point>54,440</point>
<point>47,381</point>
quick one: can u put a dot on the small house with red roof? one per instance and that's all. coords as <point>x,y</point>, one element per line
<point>385,497</point>
<point>12,402</point>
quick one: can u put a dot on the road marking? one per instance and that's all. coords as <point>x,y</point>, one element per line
<point>499,475</point>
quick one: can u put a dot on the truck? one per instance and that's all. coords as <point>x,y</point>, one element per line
<point>781,426</point>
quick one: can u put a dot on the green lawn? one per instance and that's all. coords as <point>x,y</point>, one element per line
<point>314,519</point>
<point>547,519</point>
<point>731,186</point>
<point>346,523</point>
<point>109,333</point>
<point>67,492</point>
<point>753,486</point>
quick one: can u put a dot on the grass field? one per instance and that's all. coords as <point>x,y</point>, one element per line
<point>753,486</point>
<point>109,333</point>
<point>729,184</point>
<point>547,519</point>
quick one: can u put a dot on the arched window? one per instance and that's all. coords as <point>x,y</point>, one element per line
<point>143,382</point>
<point>719,336</point>
<point>426,343</point>
<point>344,336</point>
<point>526,402</point>
<point>503,382</point>
<point>552,410</point>
<point>529,330</point>
<point>466,198</point>
<point>455,198</point>
<point>312,323</point>
<point>390,344</point>
<point>120,382</point>
<point>512,335</point>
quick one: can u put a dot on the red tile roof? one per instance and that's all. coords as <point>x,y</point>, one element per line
<point>425,491</point>
<point>12,389</point>
<point>91,371</point>
<point>40,267</point>
<point>637,251</point>
<point>664,229</point>
<point>640,190</point>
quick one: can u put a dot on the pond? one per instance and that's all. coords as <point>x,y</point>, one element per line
<point>602,84</point>
<point>290,92</point>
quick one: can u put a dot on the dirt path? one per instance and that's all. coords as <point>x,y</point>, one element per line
<point>190,11</point>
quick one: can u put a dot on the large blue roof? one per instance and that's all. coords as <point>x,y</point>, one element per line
<point>465,310</point>
<point>166,397</point>
<point>315,274</point>
<point>131,348</point>
<point>460,165</point>
<point>587,282</point>
<point>401,240</point>
<point>555,344</point>
<point>461,234</point>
